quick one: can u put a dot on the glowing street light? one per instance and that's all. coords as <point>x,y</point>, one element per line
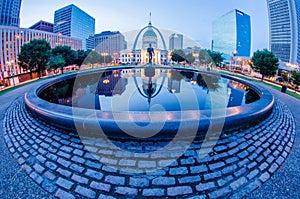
<point>10,64</point>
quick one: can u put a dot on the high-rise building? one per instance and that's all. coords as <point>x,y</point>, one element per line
<point>175,41</point>
<point>10,47</point>
<point>284,22</point>
<point>10,12</point>
<point>74,22</point>
<point>232,33</point>
<point>43,26</point>
<point>109,42</point>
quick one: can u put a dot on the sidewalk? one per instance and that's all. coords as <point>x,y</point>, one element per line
<point>285,183</point>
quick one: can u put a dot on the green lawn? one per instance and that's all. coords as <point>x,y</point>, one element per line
<point>266,83</point>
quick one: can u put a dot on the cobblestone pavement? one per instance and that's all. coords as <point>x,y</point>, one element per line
<point>59,162</point>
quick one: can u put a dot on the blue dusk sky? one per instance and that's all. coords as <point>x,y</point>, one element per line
<point>192,18</point>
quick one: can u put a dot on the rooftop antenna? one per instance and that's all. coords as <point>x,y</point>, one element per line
<point>150,19</point>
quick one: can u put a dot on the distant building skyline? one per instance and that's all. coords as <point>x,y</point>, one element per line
<point>111,15</point>
<point>284,23</point>
<point>232,34</point>
<point>10,12</point>
<point>74,22</point>
<point>110,42</point>
<point>43,26</point>
<point>175,41</point>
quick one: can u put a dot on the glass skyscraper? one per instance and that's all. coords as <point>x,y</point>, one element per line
<point>74,22</point>
<point>232,32</point>
<point>175,41</point>
<point>10,12</point>
<point>284,20</point>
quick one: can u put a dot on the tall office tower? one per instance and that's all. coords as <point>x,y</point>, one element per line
<point>175,41</point>
<point>74,22</point>
<point>10,12</point>
<point>109,42</point>
<point>232,33</point>
<point>43,26</point>
<point>284,22</point>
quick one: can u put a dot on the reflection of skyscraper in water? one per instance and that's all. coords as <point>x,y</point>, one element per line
<point>236,97</point>
<point>111,84</point>
<point>174,85</point>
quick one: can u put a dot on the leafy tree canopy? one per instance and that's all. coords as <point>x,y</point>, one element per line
<point>178,56</point>
<point>35,55</point>
<point>69,55</point>
<point>265,63</point>
<point>56,61</point>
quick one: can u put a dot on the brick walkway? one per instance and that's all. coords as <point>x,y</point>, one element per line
<point>64,167</point>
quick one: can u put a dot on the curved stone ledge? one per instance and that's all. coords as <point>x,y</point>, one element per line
<point>64,164</point>
<point>229,119</point>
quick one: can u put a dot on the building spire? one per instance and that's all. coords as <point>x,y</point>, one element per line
<point>150,19</point>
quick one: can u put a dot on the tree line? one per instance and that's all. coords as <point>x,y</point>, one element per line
<point>37,56</point>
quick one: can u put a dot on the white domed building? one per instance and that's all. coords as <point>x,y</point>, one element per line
<point>140,56</point>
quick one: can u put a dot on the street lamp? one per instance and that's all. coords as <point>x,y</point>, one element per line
<point>234,53</point>
<point>10,64</point>
<point>104,55</point>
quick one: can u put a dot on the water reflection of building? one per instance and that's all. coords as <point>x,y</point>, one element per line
<point>111,84</point>
<point>236,93</point>
<point>140,56</point>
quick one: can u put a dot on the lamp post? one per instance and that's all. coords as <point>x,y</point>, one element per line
<point>10,64</point>
<point>234,53</point>
<point>104,55</point>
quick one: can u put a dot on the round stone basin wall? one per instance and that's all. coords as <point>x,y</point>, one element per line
<point>62,116</point>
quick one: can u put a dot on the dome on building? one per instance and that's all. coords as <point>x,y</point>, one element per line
<point>149,33</point>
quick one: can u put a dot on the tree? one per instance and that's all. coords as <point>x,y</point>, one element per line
<point>93,58</point>
<point>35,55</point>
<point>296,79</point>
<point>189,58</point>
<point>56,62</point>
<point>69,55</point>
<point>178,56</point>
<point>265,63</point>
<point>204,57</point>
<point>81,55</point>
<point>216,57</point>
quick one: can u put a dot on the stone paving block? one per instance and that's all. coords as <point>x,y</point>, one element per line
<point>198,169</point>
<point>49,186</point>
<point>127,162</point>
<point>146,164</point>
<point>100,186</point>
<point>64,172</point>
<point>78,159</point>
<point>215,166</point>
<point>126,191</point>
<point>63,194</point>
<point>205,186</point>
<point>36,177</point>
<point>189,179</point>
<point>63,162</point>
<point>79,179</point>
<point>164,181</point>
<point>212,176</point>
<point>264,177</point>
<point>116,180</point>
<point>93,164</point>
<point>220,193</point>
<point>179,190</point>
<point>238,183</point>
<point>138,182</point>
<point>94,174</point>
<point>178,171</point>
<point>85,192</point>
<point>155,192</point>
<point>64,183</point>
